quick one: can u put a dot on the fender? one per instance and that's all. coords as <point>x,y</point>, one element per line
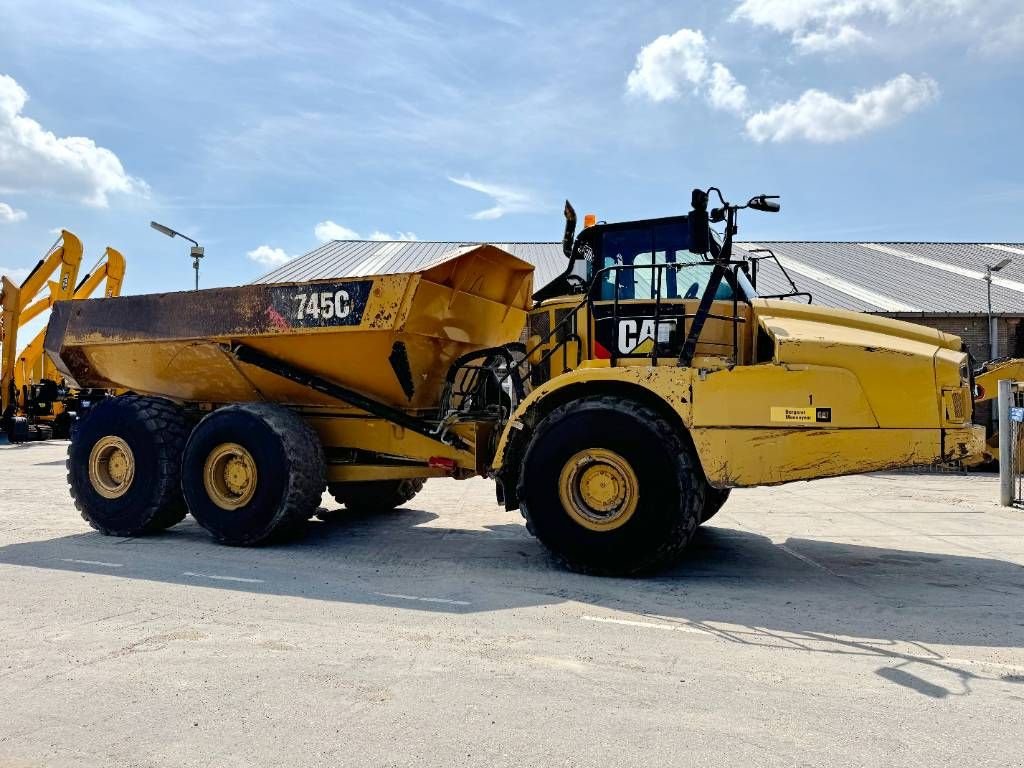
<point>669,386</point>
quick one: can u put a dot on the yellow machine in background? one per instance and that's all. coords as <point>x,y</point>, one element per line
<point>986,389</point>
<point>655,380</point>
<point>36,403</point>
<point>19,305</point>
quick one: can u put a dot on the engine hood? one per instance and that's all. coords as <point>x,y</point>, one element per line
<point>902,368</point>
<point>789,320</point>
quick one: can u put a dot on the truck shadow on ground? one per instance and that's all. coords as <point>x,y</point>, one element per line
<point>801,595</point>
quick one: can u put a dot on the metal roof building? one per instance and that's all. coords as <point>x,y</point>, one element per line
<point>355,258</point>
<point>900,278</point>
<point>885,278</point>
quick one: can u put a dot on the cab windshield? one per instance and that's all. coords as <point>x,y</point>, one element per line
<point>642,248</point>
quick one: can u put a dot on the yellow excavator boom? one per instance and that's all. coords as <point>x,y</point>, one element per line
<point>64,259</point>
<point>111,269</point>
<point>992,372</point>
<point>986,388</point>
<point>33,366</point>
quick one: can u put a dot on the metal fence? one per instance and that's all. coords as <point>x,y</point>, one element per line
<point>1011,447</point>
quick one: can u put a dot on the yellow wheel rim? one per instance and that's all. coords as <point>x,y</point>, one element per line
<point>229,476</point>
<point>598,489</point>
<point>111,467</point>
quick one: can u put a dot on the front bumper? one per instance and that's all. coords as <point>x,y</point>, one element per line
<point>966,444</point>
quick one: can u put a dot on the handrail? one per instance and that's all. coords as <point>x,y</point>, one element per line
<point>657,298</point>
<point>589,300</point>
<point>771,255</point>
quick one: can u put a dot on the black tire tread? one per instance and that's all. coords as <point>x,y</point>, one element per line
<point>376,495</point>
<point>690,472</point>
<point>306,480</point>
<point>714,500</point>
<point>166,424</point>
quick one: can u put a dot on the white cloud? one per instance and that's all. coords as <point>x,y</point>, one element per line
<point>818,25</point>
<point>724,92</point>
<point>828,25</point>
<point>329,230</point>
<point>35,160</point>
<point>269,257</point>
<point>1006,36</point>
<point>217,31</point>
<point>822,41</point>
<point>673,64</point>
<point>9,215</point>
<point>401,236</point>
<point>506,199</point>
<point>668,63</point>
<point>820,117</point>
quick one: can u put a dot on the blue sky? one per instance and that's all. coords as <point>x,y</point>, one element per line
<point>261,128</point>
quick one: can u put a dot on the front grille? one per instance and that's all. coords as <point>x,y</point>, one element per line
<point>566,330</point>
<point>540,323</point>
<point>957,407</point>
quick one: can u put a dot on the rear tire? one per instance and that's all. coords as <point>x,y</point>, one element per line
<point>611,487</point>
<point>124,466</point>
<point>251,471</point>
<point>17,430</point>
<point>376,495</point>
<point>714,500</point>
<point>39,433</point>
<point>62,426</point>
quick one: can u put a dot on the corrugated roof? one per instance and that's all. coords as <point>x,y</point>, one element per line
<point>868,277</point>
<point>354,258</point>
<point>904,277</point>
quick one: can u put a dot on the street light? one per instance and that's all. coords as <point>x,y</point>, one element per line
<point>993,333</point>
<point>993,336</point>
<point>197,250</point>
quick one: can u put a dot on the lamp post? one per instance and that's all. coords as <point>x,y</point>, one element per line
<point>196,252</point>
<point>993,332</point>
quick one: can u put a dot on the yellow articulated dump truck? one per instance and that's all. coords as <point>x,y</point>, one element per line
<point>654,379</point>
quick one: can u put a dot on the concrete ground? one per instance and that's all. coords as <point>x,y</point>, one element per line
<point>873,620</point>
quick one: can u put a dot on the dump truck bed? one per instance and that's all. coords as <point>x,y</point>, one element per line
<point>391,337</point>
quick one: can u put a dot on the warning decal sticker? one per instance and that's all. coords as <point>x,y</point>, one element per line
<point>809,415</point>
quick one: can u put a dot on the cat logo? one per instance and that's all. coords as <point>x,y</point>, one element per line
<point>636,335</point>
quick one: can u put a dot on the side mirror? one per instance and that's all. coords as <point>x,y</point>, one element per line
<point>765,203</point>
<point>570,230</point>
<point>699,239</point>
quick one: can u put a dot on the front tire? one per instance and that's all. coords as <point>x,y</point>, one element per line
<point>714,500</point>
<point>610,486</point>
<point>251,471</point>
<point>124,465</point>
